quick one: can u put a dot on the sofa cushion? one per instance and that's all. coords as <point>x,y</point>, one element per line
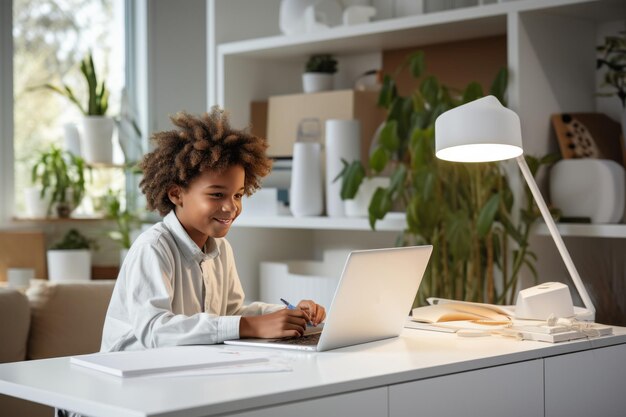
<point>14,322</point>
<point>67,317</point>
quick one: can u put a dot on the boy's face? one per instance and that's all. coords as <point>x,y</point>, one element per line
<point>208,207</point>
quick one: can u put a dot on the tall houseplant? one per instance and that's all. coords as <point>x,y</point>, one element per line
<point>464,210</point>
<point>96,138</point>
<point>61,177</point>
<point>125,220</point>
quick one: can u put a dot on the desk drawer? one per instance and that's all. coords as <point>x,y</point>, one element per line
<point>508,390</point>
<point>366,403</point>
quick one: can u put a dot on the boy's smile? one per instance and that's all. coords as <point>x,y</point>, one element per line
<point>210,204</point>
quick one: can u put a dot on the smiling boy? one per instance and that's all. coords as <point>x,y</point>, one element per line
<point>178,284</point>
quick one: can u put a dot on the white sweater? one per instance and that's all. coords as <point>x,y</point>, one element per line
<point>158,297</point>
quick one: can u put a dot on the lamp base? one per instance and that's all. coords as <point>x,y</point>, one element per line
<point>543,300</point>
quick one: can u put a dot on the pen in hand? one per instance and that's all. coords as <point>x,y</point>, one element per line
<point>292,307</point>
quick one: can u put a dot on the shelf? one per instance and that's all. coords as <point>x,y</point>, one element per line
<point>394,222</point>
<point>58,219</point>
<point>424,29</point>
<point>616,231</point>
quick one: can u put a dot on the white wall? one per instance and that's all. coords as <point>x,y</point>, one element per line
<point>177,61</point>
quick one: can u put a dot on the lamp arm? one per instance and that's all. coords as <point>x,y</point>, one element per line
<point>556,236</point>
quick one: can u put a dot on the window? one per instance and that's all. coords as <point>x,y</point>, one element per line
<point>50,38</point>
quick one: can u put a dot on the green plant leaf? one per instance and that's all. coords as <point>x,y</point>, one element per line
<point>388,92</point>
<point>379,159</point>
<point>487,215</point>
<point>472,92</point>
<point>388,138</point>
<point>417,64</point>
<point>499,85</point>
<point>352,180</point>
<point>430,90</point>
<point>379,206</point>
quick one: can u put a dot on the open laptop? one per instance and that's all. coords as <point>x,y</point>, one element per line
<point>372,300</point>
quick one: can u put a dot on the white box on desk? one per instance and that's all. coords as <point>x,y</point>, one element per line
<point>302,280</point>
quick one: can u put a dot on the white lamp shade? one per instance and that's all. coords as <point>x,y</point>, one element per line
<point>480,131</point>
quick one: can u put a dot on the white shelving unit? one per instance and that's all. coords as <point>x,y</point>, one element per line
<point>551,58</point>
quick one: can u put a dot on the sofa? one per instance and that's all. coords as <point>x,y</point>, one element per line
<point>50,320</point>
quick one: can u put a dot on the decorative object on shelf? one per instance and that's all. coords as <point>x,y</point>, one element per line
<point>588,188</point>
<point>306,195</point>
<point>408,7</point>
<point>613,58</point>
<point>291,16</point>
<point>19,278</point>
<point>343,143</point>
<point>484,130</point>
<point>70,259</point>
<point>96,145</point>
<point>356,15</point>
<point>588,135</point>
<point>369,81</point>
<point>36,202</point>
<point>60,174</point>
<point>465,211</point>
<point>126,221</point>
<point>319,73</point>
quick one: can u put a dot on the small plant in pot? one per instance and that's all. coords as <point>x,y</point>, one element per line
<point>61,177</point>
<point>318,75</point>
<point>96,138</point>
<point>70,258</point>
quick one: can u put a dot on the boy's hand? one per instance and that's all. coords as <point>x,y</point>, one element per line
<point>282,323</point>
<point>316,313</point>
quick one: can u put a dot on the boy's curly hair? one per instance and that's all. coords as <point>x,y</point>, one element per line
<point>201,142</point>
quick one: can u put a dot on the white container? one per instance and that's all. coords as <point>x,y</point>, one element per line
<point>591,188</point>
<point>313,82</point>
<point>306,197</point>
<point>19,278</point>
<point>69,264</point>
<point>97,139</point>
<point>343,141</point>
<point>263,202</point>
<point>302,280</point>
<point>358,206</point>
<point>36,207</point>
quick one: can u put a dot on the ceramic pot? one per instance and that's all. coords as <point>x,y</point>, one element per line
<point>313,82</point>
<point>358,206</point>
<point>97,139</point>
<point>36,206</point>
<point>69,265</point>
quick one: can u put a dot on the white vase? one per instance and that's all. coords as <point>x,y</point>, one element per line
<point>69,265</point>
<point>97,139</point>
<point>359,205</point>
<point>313,82</point>
<point>343,141</point>
<point>306,196</point>
<point>36,206</point>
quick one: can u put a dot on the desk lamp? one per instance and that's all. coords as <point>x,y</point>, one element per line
<point>486,131</point>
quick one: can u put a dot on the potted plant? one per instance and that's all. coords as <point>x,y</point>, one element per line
<point>464,210</point>
<point>96,138</point>
<point>318,75</point>
<point>60,175</point>
<point>126,221</point>
<point>70,258</point>
<point>613,59</point>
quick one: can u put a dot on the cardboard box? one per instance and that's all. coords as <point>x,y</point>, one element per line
<point>286,112</point>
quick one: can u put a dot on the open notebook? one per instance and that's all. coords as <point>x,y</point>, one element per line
<point>371,302</point>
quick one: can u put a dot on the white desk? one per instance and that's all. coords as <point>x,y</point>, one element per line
<point>419,373</point>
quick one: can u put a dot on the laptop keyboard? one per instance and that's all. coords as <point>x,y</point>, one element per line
<point>308,340</point>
